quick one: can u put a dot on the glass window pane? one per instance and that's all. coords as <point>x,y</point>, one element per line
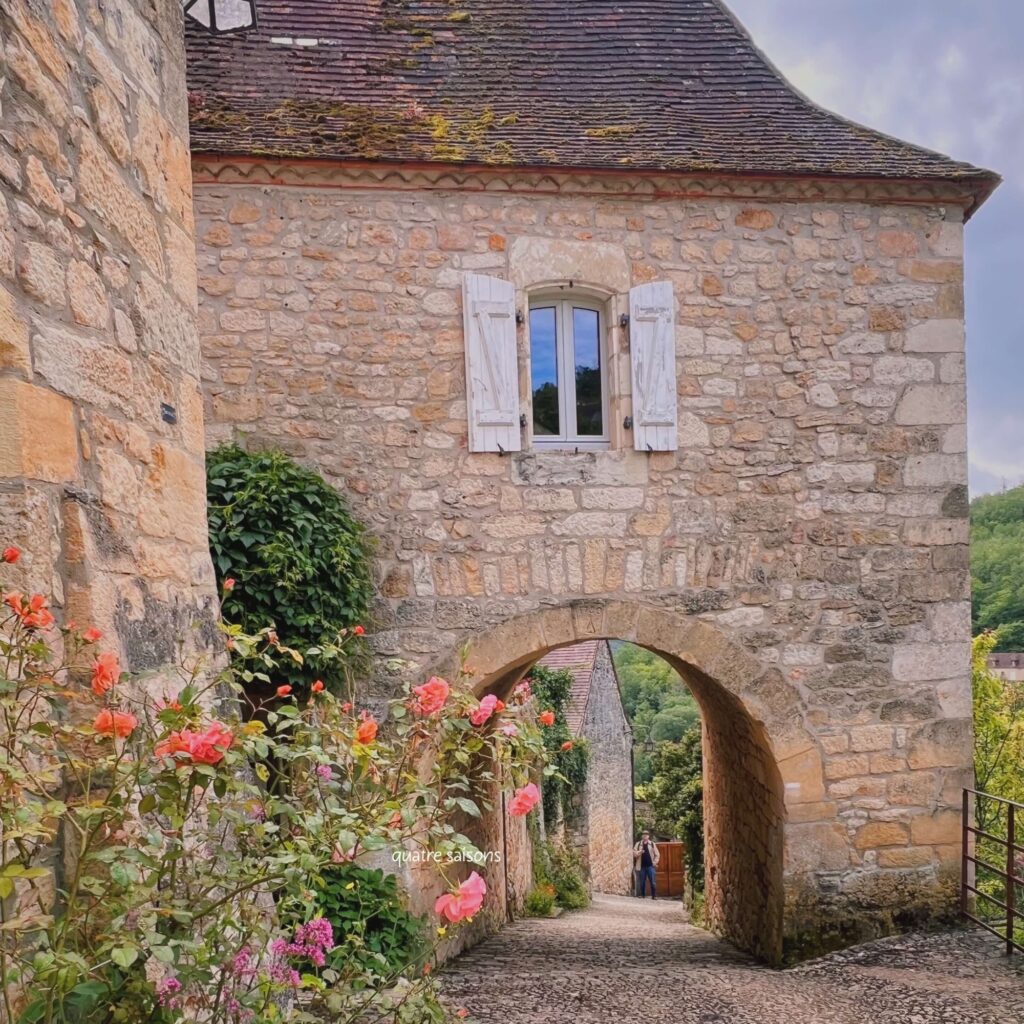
<point>544,371</point>
<point>587,360</point>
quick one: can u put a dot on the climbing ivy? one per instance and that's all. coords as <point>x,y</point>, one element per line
<point>567,768</point>
<point>297,557</point>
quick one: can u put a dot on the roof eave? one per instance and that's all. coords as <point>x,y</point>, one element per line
<point>979,183</point>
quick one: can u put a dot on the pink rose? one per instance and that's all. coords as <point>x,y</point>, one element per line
<point>509,730</point>
<point>464,902</point>
<point>486,708</point>
<point>431,696</point>
<point>524,800</point>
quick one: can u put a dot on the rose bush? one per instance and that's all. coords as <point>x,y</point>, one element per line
<point>151,869</point>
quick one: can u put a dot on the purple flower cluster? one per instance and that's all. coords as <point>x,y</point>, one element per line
<point>312,943</point>
<point>167,993</point>
<point>324,771</point>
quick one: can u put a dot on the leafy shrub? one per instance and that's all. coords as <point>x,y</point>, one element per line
<point>540,901</point>
<point>560,866</point>
<point>300,560</point>
<point>371,923</point>
<point>567,769</point>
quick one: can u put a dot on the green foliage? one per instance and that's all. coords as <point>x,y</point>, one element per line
<point>998,732</point>
<point>676,795</point>
<point>372,924</point>
<point>560,866</point>
<point>540,901</point>
<point>300,559</point>
<point>657,703</point>
<point>997,566</point>
<point>566,774</point>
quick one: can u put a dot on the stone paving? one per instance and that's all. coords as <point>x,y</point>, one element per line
<point>624,959</point>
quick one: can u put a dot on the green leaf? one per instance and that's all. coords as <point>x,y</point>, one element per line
<point>147,803</point>
<point>124,956</point>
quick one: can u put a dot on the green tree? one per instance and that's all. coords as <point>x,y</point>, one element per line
<point>998,733</point>
<point>676,796</point>
<point>657,703</point>
<point>997,566</point>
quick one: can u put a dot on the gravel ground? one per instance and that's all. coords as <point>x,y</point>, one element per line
<point>624,959</point>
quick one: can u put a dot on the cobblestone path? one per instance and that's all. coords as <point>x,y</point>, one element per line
<point>626,960</point>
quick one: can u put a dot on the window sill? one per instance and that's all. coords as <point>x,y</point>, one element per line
<point>546,466</point>
<point>571,447</point>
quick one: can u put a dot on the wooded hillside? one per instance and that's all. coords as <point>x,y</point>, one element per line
<point>997,567</point>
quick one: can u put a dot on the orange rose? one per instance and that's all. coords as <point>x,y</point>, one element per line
<point>92,635</point>
<point>367,731</point>
<point>10,555</point>
<point>318,686</point>
<point>115,723</point>
<point>283,691</point>
<point>546,718</point>
<point>106,670</point>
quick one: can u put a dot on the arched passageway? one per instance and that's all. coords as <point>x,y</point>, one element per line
<point>749,717</point>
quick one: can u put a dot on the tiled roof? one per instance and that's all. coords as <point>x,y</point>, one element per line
<point>646,84</point>
<point>579,660</point>
<point>1006,659</point>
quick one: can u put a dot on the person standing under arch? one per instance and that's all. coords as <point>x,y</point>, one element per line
<point>645,861</point>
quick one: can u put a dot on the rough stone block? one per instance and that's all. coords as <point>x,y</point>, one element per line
<point>38,440</point>
<point>935,336</point>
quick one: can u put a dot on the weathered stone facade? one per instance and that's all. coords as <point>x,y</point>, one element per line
<point>801,558</point>
<point>608,794</point>
<point>101,429</point>
<point>601,826</point>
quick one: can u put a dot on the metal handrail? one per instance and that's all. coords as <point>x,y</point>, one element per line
<point>1008,876</point>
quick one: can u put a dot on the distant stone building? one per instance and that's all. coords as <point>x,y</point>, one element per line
<point>1007,665</point>
<point>603,831</point>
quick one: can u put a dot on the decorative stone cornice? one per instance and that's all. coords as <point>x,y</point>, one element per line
<point>207,170</point>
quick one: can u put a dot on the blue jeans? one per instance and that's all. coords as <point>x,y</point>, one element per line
<point>645,875</point>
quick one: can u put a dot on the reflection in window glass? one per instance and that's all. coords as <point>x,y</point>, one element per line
<point>544,371</point>
<point>587,360</point>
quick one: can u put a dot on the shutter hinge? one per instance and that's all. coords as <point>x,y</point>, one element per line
<point>624,321</point>
<point>628,423</point>
<point>522,419</point>
<point>520,319</point>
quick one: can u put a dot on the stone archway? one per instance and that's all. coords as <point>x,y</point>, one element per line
<point>758,755</point>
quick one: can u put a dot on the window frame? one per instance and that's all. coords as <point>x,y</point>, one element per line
<point>565,340</point>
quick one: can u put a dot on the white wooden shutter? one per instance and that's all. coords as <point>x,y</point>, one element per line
<point>492,371</point>
<point>652,344</point>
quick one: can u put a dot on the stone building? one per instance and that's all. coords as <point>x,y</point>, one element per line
<point>605,330</point>
<point>1007,665</point>
<point>603,828</point>
<point>610,333</point>
<point>101,415</point>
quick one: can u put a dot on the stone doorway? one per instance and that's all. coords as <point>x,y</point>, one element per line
<point>743,787</point>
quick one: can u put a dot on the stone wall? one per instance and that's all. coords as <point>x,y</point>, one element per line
<point>101,424</point>
<point>608,794</point>
<point>814,517</point>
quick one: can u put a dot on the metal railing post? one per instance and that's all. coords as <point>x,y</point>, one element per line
<point>1011,888</point>
<point>965,854</point>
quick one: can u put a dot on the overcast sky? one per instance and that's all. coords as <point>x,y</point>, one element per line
<point>948,74</point>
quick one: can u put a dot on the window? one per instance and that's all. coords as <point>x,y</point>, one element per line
<point>568,374</point>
